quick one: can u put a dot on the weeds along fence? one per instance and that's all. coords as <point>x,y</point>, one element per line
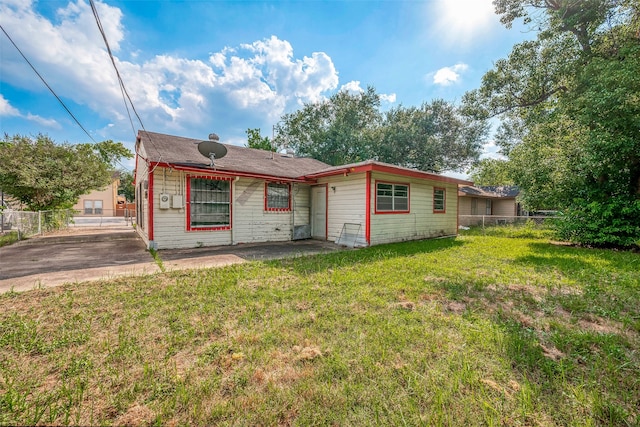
<point>27,223</point>
<point>495,220</point>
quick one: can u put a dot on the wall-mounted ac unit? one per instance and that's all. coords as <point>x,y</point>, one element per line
<point>164,201</point>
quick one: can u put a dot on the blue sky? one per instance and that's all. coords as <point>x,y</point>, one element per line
<point>196,67</point>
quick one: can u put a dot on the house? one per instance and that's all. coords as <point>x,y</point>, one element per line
<point>488,201</point>
<point>253,195</point>
<point>100,202</point>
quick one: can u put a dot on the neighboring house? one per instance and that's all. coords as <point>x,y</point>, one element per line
<point>497,201</point>
<point>258,196</point>
<point>100,202</point>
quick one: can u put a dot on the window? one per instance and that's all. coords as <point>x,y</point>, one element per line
<point>93,207</point>
<point>487,207</point>
<point>392,198</point>
<point>209,204</point>
<point>439,200</point>
<point>474,206</point>
<point>277,197</point>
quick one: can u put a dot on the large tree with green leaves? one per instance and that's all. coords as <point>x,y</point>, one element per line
<point>350,128</point>
<point>127,185</point>
<point>570,108</point>
<point>45,175</point>
<point>491,172</point>
<point>434,137</point>
<point>255,140</point>
<point>337,131</point>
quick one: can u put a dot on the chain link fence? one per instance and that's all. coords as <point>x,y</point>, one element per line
<point>495,220</point>
<point>27,223</point>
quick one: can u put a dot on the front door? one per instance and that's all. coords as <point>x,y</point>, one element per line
<point>319,212</point>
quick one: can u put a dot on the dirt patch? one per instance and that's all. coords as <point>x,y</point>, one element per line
<point>137,415</point>
<point>406,305</point>
<point>456,307</point>
<point>307,353</point>
<point>601,326</point>
<point>551,352</point>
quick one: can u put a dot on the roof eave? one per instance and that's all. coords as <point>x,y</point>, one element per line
<point>208,170</point>
<point>389,169</point>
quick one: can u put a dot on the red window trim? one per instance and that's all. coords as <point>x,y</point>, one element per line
<point>437,211</point>
<point>375,206</point>
<point>267,208</point>
<point>188,203</point>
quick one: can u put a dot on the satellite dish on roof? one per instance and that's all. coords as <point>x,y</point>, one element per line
<point>212,149</point>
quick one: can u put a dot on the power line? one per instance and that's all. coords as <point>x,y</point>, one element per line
<point>123,89</point>
<point>47,85</point>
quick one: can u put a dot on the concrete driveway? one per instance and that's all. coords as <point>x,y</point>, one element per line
<point>86,253</point>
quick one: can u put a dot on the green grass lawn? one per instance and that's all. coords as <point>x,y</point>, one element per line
<point>478,330</point>
<point>8,238</point>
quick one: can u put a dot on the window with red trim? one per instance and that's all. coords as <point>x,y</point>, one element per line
<point>392,197</point>
<point>439,200</point>
<point>209,203</point>
<point>277,197</point>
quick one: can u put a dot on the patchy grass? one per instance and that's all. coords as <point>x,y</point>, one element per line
<point>467,331</point>
<point>8,238</point>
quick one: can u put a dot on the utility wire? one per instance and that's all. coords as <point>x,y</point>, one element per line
<point>123,89</point>
<point>47,85</point>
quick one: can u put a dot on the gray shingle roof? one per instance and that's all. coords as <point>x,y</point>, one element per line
<point>181,151</point>
<point>500,191</point>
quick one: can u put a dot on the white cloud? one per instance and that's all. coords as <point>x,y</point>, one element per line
<point>462,21</point>
<point>390,98</point>
<point>6,109</point>
<point>491,151</point>
<point>262,78</point>
<point>448,75</point>
<point>354,87</point>
<point>50,123</point>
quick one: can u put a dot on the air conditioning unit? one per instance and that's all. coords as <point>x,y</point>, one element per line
<point>164,201</point>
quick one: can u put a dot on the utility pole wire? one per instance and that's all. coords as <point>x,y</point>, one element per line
<point>47,84</point>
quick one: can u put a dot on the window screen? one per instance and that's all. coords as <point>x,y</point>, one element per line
<point>392,197</point>
<point>438,199</point>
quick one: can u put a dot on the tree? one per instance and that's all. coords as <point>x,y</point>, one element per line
<point>570,107</point>
<point>44,175</point>
<point>350,128</point>
<point>434,137</point>
<point>491,172</point>
<point>127,188</point>
<point>255,140</point>
<point>337,131</point>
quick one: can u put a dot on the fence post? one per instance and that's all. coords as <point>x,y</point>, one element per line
<point>39,222</point>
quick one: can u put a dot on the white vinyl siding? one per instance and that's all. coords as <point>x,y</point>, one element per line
<point>251,222</point>
<point>170,225</point>
<point>421,222</point>
<point>346,205</point>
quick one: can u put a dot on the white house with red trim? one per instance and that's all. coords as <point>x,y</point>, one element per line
<point>258,196</point>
